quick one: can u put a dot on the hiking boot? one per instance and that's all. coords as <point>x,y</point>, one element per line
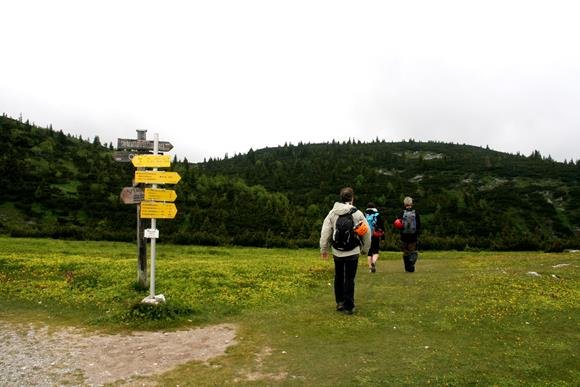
<point>373,268</point>
<point>340,307</point>
<point>348,311</point>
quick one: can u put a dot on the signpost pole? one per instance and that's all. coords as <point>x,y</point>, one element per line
<point>153,226</point>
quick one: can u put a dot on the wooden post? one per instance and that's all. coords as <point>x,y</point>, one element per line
<point>142,278</point>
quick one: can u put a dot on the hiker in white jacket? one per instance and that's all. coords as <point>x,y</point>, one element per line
<point>347,231</point>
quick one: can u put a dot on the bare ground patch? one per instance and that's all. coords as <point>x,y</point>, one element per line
<point>258,373</point>
<point>36,355</point>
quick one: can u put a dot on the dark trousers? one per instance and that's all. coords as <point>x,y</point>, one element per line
<point>375,243</point>
<point>410,255</point>
<point>344,274</point>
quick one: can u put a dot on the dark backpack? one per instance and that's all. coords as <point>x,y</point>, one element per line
<point>344,238</point>
<point>409,222</point>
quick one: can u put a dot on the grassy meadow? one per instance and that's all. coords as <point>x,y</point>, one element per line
<point>464,318</point>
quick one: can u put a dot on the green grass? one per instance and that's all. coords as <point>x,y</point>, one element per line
<point>463,318</point>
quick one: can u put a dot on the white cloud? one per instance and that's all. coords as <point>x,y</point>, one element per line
<point>226,76</point>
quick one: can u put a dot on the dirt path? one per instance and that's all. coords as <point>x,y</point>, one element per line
<point>34,355</point>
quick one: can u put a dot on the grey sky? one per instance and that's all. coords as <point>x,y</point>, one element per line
<point>216,77</point>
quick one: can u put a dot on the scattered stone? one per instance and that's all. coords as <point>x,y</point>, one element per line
<point>533,274</point>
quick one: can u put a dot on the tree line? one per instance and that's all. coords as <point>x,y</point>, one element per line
<point>60,186</point>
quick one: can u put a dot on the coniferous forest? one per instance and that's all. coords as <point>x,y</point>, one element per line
<point>61,186</point>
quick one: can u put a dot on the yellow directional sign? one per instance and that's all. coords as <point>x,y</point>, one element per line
<point>151,161</point>
<point>158,210</point>
<point>156,177</point>
<point>160,195</point>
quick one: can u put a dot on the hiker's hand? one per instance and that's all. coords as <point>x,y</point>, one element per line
<point>324,256</point>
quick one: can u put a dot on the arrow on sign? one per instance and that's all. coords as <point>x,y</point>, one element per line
<point>156,177</point>
<point>132,195</point>
<point>158,210</point>
<point>151,161</point>
<point>160,195</point>
<point>126,143</point>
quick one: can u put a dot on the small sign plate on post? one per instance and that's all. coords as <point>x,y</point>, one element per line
<point>151,233</point>
<point>132,195</point>
<point>123,156</point>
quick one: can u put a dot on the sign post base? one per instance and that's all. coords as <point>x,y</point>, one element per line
<point>160,298</point>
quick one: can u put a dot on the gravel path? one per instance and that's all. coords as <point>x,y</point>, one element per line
<point>33,355</point>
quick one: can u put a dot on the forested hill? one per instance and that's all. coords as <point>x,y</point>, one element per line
<point>67,187</point>
<point>466,194</point>
<point>58,185</point>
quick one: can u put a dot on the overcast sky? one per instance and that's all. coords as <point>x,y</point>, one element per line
<point>216,77</point>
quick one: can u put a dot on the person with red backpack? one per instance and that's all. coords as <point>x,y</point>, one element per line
<point>376,223</point>
<point>409,224</point>
<point>346,230</point>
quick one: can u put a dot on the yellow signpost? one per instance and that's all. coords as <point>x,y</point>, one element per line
<point>152,203</point>
<point>160,195</point>
<point>151,161</point>
<point>158,210</point>
<point>156,177</point>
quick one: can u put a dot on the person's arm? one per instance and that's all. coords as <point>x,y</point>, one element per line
<point>366,239</point>
<point>325,235</point>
